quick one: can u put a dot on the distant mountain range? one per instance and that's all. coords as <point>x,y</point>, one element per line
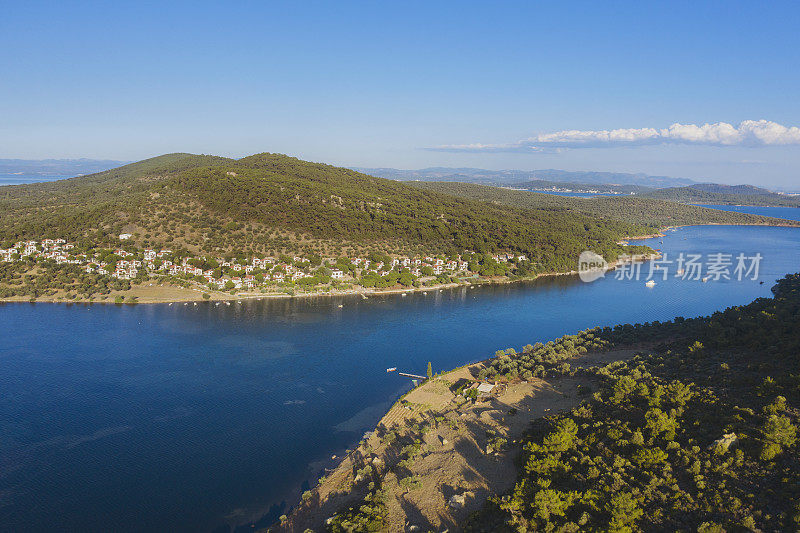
<point>681,190</point>
<point>632,209</point>
<point>514,177</point>
<point>20,171</point>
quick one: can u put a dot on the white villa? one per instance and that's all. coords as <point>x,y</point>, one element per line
<point>243,274</point>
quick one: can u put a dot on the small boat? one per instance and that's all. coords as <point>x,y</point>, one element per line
<point>705,280</point>
<point>391,369</point>
<point>650,283</point>
<point>403,294</point>
<point>340,306</point>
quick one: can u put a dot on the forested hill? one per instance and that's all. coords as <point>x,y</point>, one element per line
<point>271,203</point>
<point>698,432</point>
<point>689,425</point>
<point>711,193</point>
<point>633,210</point>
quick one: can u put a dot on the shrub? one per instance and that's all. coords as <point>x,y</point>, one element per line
<point>410,482</point>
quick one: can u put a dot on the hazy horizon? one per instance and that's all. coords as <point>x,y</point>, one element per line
<point>51,169</point>
<point>685,89</point>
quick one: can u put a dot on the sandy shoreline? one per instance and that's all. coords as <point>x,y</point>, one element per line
<point>451,451</point>
<point>149,294</point>
<point>183,295</point>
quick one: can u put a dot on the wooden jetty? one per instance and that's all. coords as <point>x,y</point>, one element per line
<point>411,375</point>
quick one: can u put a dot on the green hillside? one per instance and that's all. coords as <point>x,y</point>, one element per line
<point>650,212</point>
<point>698,432</point>
<point>271,203</point>
<point>724,195</point>
<point>687,426</point>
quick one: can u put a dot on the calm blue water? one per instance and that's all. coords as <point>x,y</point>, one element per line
<point>194,417</point>
<point>19,179</point>
<point>791,213</point>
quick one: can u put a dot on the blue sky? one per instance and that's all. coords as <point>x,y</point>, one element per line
<point>391,83</point>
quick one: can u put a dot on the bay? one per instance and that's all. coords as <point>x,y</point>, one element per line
<point>204,417</point>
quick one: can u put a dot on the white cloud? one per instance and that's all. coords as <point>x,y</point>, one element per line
<point>748,133</point>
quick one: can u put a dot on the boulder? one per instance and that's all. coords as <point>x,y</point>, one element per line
<point>457,501</point>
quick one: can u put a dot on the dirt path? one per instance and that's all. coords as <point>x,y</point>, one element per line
<point>459,451</point>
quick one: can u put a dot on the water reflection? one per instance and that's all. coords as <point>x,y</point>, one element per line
<point>186,415</point>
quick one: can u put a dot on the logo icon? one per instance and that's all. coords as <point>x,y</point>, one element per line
<point>591,266</point>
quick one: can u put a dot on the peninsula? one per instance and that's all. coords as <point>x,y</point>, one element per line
<point>685,425</point>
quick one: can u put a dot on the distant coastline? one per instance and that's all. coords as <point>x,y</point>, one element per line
<point>170,295</point>
<point>712,206</point>
<point>152,294</point>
